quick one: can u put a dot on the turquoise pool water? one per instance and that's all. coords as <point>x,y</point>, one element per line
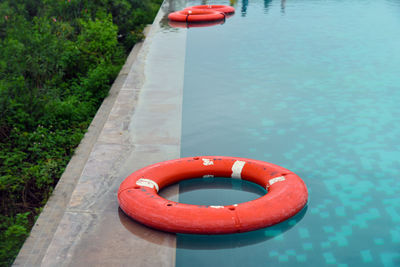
<point>313,86</point>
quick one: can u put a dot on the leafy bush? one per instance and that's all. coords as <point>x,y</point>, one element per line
<point>57,62</point>
<point>14,230</point>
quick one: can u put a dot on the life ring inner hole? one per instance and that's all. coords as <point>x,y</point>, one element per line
<point>219,191</point>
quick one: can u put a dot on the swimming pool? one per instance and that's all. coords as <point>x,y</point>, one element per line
<point>313,86</point>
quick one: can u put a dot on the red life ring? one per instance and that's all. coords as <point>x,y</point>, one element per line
<point>198,15</point>
<point>138,198</point>
<point>221,8</point>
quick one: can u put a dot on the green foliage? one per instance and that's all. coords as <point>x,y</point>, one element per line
<point>57,62</point>
<point>15,230</point>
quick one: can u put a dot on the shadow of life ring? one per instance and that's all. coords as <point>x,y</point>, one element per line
<point>198,15</point>
<point>201,242</point>
<point>220,8</point>
<point>138,196</point>
<point>179,24</point>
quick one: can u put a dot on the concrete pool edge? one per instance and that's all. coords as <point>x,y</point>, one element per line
<point>142,127</point>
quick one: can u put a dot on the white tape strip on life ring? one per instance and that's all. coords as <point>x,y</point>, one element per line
<point>276,179</point>
<point>237,168</point>
<point>208,162</point>
<point>147,183</point>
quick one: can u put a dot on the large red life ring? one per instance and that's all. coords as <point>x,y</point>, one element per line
<point>138,197</point>
<point>198,15</point>
<point>221,8</point>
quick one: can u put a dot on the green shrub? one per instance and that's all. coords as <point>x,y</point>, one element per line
<point>57,62</point>
<point>15,230</point>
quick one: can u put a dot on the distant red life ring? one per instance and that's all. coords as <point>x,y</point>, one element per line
<point>221,8</point>
<point>198,15</point>
<point>138,197</point>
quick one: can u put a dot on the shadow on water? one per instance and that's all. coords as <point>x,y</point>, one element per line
<point>208,242</point>
<point>175,24</point>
